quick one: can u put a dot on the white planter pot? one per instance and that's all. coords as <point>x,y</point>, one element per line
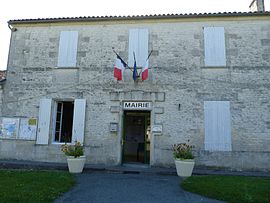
<point>75,165</point>
<point>184,167</point>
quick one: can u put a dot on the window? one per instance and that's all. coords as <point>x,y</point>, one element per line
<point>138,44</point>
<point>214,46</point>
<point>68,121</point>
<point>64,122</point>
<point>67,54</point>
<point>217,125</point>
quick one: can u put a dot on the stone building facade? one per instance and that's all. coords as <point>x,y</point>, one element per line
<point>208,83</point>
<point>2,81</point>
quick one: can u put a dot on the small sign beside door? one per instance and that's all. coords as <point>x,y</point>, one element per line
<point>137,106</point>
<point>113,127</point>
<point>157,129</point>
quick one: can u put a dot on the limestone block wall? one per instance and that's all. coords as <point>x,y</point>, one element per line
<point>178,85</point>
<point>1,97</point>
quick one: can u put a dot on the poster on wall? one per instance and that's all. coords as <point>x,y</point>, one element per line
<point>9,127</point>
<point>28,128</point>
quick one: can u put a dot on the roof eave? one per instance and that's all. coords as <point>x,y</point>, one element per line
<point>141,17</point>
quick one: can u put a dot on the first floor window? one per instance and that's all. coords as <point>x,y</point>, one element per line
<point>64,121</point>
<point>138,46</point>
<point>67,52</point>
<point>214,46</point>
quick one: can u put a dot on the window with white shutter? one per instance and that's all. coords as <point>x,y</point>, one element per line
<point>67,54</point>
<point>217,120</point>
<point>138,44</point>
<point>214,46</point>
<point>69,121</point>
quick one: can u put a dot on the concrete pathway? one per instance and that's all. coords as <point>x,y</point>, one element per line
<point>120,187</point>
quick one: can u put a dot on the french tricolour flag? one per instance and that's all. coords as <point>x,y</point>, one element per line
<point>145,71</point>
<point>119,67</point>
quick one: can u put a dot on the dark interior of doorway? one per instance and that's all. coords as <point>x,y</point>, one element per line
<point>136,137</point>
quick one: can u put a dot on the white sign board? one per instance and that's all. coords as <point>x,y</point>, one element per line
<point>113,127</point>
<point>137,105</point>
<point>157,129</point>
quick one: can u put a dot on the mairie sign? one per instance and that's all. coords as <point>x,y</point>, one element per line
<point>137,105</point>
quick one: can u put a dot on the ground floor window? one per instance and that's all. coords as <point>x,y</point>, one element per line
<point>68,121</point>
<point>217,121</point>
<point>63,121</point>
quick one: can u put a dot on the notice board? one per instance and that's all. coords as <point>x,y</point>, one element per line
<point>9,127</point>
<point>28,128</point>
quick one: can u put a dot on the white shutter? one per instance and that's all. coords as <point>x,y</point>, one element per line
<point>44,121</point>
<point>210,125</point>
<point>224,125</point>
<point>78,120</point>
<point>133,46</point>
<point>67,54</point>
<point>143,47</point>
<point>217,125</point>
<point>138,43</point>
<point>214,46</point>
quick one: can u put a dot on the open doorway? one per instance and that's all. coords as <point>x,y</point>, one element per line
<point>136,137</point>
